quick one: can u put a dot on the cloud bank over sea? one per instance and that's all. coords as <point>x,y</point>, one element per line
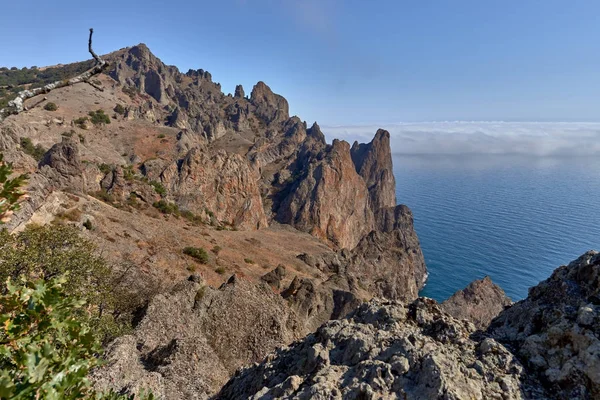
<point>463,137</point>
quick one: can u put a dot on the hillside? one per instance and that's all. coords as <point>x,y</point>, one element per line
<point>253,233</point>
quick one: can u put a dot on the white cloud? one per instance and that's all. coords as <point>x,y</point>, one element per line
<point>459,137</point>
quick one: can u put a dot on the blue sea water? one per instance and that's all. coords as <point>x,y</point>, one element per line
<point>513,218</point>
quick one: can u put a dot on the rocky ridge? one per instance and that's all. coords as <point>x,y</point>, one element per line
<point>543,347</point>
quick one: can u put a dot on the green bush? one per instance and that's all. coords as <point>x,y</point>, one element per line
<point>161,136</point>
<point>216,249</point>
<point>220,270</point>
<point>55,250</point>
<point>105,168</point>
<point>80,122</point>
<point>10,191</point>
<point>158,188</point>
<point>46,347</point>
<point>50,106</point>
<point>119,109</point>
<point>197,253</point>
<point>98,117</point>
<point>166,208</point>
<point>37,152</point>
<point>249,261</point>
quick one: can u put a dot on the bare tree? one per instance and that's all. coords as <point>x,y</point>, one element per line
<point>17,105</point>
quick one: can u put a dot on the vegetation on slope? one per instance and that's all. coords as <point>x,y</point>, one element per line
<point>59,303</point>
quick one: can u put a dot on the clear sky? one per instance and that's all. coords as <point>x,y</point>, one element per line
<point>347,62</point>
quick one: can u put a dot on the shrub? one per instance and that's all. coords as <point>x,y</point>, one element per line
<point>193,218</point>
<point>10,190</point>
<point>216,250</point>
<point>158,188</point>
<point>197,253</point>
<point>119,109</point>
<point>50,106</point>
<point>128,173</point>
<point>130,91</point>
<point>81,138</point>
<point>249,261</point>
<point>37,152</point>
<point>98,117</point>
<point>80,122</point>
<point>220,270</point>
<point>46,347</point>
<point>166,208</point>
<point>105,168</point>
<point>161,136</point>
<point>68,134</point>
<point>104,196</point>
<point>191,268</point>
<point>54,250</point>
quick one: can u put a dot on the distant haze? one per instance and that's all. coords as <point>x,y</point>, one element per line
<point>527,138</point>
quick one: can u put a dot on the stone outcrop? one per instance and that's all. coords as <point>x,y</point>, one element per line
<point>389,262</point>
<point>386,350</point>
<point>480,302</point>
<point>224,184</point>
<point>192,339</point>
<point>331,201</point>
<point>270,107</point>
<point>239,92</point>
<point>555,331</point>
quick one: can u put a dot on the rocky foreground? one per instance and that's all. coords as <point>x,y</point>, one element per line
<point>304,273</point>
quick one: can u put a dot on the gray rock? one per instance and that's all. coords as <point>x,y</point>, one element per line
<point>555,331</point>
<point>239,92</point>
<point>385,350</point>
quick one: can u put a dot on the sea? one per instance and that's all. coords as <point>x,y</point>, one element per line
<point>513,218</point>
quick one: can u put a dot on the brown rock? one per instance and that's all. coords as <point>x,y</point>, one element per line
<point>480,302</point>
<point>373,162</point>
<point>331,201</point>
<point>223,183</point>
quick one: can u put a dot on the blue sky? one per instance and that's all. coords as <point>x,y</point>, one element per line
<point>348,62</point>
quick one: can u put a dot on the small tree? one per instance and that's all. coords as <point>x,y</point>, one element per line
<point>46,350</point>
<point>10,192</point>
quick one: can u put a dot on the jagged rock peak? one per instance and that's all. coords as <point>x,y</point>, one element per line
<point>373,161</point>
<point>270,107</point>
<point>480,302</point>
<point>315,132</point>
<point>200,74</point>
<point>239,92</point>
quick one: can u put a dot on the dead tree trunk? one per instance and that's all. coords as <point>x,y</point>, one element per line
<point>17,106</point>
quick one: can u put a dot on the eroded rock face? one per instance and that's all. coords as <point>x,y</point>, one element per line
<point>191,340</point>
<point>270,107</point>
<point>331,201</point>
<point>389,262</point>
<point>480,302</point>
<point>555,331</point>
<point>373,161</point>
<point>223,183</point>
<point>385,350</point>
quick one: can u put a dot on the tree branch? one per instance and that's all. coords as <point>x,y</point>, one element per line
<point>17,106</point>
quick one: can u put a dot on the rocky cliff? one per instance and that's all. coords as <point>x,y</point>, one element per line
<point>555,331</point>
<point>544,347</point>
